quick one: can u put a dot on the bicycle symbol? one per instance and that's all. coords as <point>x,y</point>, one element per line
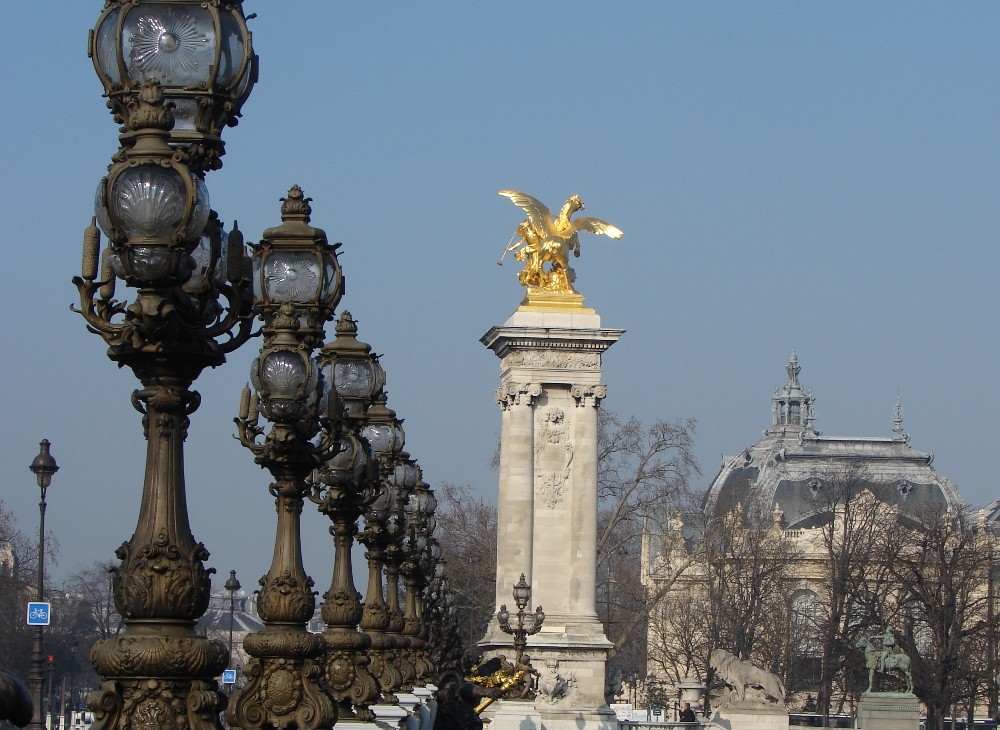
<point>39,613</point>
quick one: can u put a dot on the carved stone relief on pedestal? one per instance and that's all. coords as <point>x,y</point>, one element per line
<point>553,455</point>
<point>552,359</point>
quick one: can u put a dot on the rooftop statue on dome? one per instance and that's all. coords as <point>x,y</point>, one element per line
<point>544,243</point>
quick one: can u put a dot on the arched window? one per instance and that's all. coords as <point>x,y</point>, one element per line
<point>806,615</point>
<point>805,648</point>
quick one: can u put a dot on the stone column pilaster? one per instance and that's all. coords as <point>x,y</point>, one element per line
<point>515,514</point>
<point>587,400</point>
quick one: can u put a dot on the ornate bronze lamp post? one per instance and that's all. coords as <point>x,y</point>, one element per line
<point>297,284</point>
<point>43,466</point>
<point>232,585</point>
<point>521,632</point>
<point>384,432</point>
<point>401,482</point>
<point>175,73</point>
<point>345,487</point>
<point>419,508</point>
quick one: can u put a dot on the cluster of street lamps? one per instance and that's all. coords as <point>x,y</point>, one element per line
<point>176,73</point>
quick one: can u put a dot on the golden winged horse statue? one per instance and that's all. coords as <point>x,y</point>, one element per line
<point>544,242</point>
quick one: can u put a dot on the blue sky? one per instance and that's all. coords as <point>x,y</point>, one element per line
<point>816,176</point>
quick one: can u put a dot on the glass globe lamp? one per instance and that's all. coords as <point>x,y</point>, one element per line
<point>354,371</point>
<point>522,592</point>
<point>153,214</point>
<point>384,431</point>
<point>200,52</point>
<point>406,474</point>
<point>295,264</point>
<point>287,382</point>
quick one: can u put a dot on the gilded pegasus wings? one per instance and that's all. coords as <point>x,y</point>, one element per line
<point>542,221</point>
<point>597,226</point>
<point>539,216</point>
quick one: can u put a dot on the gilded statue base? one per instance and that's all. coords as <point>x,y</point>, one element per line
<point>541,300</point>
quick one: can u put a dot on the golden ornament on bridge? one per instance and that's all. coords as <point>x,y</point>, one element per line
<point>544,243</point>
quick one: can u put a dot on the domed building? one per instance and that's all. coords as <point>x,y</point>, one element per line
<point>785,471</point>
<point>795,489</point>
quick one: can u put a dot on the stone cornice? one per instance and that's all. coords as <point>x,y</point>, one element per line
<point>503,340</point>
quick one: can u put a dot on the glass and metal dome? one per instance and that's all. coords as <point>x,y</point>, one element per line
<point>787,471</point>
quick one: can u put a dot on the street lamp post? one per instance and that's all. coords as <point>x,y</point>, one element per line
<point>345,486</point>
<point>401,481</point>
<point>384,432</point>
<point>297,284</point>
<point>175,73</point>
<point>232,585</point>
<point>43,466</point>
<point>72,681</point>
<point>520,633</point>
<point>420,523</point>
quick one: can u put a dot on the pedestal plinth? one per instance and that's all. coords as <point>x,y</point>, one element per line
<point>513,715</point>
<point>752,718</point>
<point>888,711</point>
<point>550,390</point>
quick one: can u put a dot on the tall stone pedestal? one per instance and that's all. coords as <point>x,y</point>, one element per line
<point>513,715</point>
<point>752,718</point>
<point>888,711</point>
<point>550,390</point>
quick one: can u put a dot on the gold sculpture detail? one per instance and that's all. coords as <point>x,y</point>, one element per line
<point>544,243</point>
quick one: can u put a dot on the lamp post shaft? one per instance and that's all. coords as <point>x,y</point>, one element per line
<point>162,585</point>
<point>284,651</point>
<point>37,676</point>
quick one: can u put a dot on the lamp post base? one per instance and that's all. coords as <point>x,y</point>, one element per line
<point>158,681</point>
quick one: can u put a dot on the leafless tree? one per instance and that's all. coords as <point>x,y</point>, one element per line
<point>942,568</point>
<point>747,564</point>
<point>17,576</point>
<point>93,587</point>
<point>855,521</point>
<point>467,530</point>
<point>678,636</point>
<point>642,471</point>
<point>643,475</point>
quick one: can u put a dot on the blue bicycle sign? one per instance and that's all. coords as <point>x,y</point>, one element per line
<point>39,613</point>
